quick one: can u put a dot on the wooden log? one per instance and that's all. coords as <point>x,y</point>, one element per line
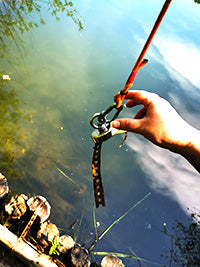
<point>47,233</point>
<point>23,250</point>
<point>67,243</point>
<point>4,189</point>
<point>80,257</point>
<point>40,206</point>
<point>16,206</point>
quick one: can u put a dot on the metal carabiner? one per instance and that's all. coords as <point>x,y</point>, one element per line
<point>103,131</point>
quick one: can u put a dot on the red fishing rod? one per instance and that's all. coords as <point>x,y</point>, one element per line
<point>103,130</point>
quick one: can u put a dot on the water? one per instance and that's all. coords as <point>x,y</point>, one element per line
<point>66,76</point>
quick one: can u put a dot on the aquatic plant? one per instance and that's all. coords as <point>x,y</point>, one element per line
<point>53,249</point>
<point>97,238</point>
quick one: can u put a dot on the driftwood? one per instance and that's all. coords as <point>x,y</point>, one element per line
<point>24,250</point>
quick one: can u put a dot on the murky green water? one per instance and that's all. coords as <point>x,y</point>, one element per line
<point>67,75</point>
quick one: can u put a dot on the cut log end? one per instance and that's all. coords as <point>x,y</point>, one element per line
<point>67,243</point>
<point>4,189</point>
<point>16,206</point>
<point>39,205</point>
<point>80,257</point>
<point>111,261</point>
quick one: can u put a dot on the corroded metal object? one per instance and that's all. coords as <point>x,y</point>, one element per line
<point>103,131</point>
<point>97,179</point>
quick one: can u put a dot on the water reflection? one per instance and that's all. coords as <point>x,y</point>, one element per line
<point>25,139</point>
<point>10,136</point>
<point>17,17</point>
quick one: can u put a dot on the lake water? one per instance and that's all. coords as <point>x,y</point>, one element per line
<point>63,78</point>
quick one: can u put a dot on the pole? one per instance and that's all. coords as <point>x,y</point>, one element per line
<point>120,96</point>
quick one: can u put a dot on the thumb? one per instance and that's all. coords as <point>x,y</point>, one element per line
<point>131,125</point>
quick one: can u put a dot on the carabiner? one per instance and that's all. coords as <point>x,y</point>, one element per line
<point>103,123</point>
<point>103,130</point>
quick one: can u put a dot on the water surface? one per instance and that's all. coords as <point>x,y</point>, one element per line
<point>67,75</point>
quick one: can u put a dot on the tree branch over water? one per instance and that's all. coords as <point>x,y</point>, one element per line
<point>16,18</point>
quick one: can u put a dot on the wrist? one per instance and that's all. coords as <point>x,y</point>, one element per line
<point>190,150</point>
<point>186,142</point>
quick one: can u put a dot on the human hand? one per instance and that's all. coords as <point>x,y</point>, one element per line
<point>157,121</point>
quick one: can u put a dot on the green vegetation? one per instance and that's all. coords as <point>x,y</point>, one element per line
<point>197,1</point>
<point>186,251</point>
<point>185,242</point>
<point>17,17</point>
<point>54,245</point>
<point>97,238</point>
<point>10,136</point>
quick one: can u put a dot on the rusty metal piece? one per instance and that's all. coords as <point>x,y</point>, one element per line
<point>97,180</point>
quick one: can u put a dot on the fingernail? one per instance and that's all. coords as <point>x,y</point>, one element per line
<point>115,124</point>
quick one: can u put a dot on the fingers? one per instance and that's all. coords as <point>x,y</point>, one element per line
<point>139,98</point>
<point>132,125</point>
<point>141,113</point>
